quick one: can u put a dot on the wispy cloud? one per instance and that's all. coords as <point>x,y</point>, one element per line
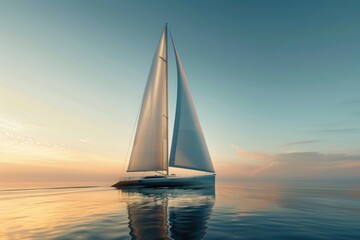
<point>351,102</point>
<point>83,140</point>
<point>353,105</point>
<point>13,138</point>
<point>337,131</point>
<point>245,154</point>
<point>291,165</point>
<point>10,123</point>
<point>316,157</point>
<point>20,142</point>
<point>299,143</point>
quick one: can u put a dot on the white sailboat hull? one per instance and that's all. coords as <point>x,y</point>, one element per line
<point>168,181</point>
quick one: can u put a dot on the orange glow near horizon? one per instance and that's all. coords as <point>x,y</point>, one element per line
<point>53,144</point>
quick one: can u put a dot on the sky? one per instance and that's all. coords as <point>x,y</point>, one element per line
<point>275,84</point>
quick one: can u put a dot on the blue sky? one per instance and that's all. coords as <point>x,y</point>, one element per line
<point>268,78</point>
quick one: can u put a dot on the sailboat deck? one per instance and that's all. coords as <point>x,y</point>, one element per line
<point>166,181</point>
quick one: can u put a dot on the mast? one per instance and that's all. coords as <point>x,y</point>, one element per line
<point>167,100</point>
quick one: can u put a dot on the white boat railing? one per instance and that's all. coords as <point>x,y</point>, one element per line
<point>172,175</point>
<point>130,178</point>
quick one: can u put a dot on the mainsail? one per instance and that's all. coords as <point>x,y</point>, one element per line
<point>188,149</point>
<point>150,148</point>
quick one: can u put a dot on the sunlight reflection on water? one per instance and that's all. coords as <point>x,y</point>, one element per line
<point>256,211</point>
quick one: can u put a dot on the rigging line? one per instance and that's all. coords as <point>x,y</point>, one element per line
<point>133,135</point>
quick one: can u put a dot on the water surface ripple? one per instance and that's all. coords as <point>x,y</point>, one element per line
<point>246,211</point>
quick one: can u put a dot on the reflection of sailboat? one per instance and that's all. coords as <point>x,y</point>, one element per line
<point>166,213</point>
<point>188,219</point>
<point>150,148</point>
<point>148,218</point>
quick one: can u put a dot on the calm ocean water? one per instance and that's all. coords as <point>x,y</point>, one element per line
<point>246,211</point>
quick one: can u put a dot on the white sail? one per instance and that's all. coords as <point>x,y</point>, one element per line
<point>150,149</point>
<point>188,149</point>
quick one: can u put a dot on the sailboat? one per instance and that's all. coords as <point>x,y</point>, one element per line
<point>150,146</point>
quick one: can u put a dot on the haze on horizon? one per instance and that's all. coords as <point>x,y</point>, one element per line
<point>275,83</point>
